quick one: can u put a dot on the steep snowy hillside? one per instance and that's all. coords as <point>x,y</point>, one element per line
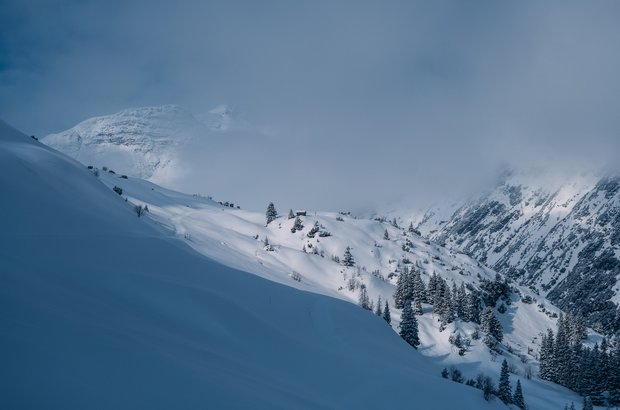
<point>561,239</point>
<point>311,258</point>
<point>101,309</point>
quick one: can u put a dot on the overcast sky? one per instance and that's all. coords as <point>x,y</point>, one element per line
<point>373,96</point>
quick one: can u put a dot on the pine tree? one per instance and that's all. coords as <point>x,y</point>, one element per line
<point>574,356</point>
<point>271,213</point>
<point>561,353</point>
<point>596,369</point>
<point>473,307</point>
<point>364,300</point>
<point>488,388</point>
<point>576,328</point>
<point>547,368</point>
<point>461,303</point>
<point>587,404</point>
<point>586,381</point>
<point>297,225</point>
<point>386,235</point>
<point>379,310</point>
<point>404,288</point>
<point>490,325</point>
<point>432,288</point>
<point>409,326</point>
<point>614,378</point>
<point>446,307</point>
<point>518,397</point>
<point>418,291</point>
<point>291,215</point>
<point>411,229</point>
<point>504,391</point>
<point>604,363</point>
<point>386,313</point>
<point>348,259</point>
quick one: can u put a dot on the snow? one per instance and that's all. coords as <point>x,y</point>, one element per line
<point>101,309</point>
<point>229,236</point>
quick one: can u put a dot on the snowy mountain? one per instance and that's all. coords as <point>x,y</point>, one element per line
<point>177,149</point>
<point>560,238</point>
<point>102,309</point>
<point>142,142</point>
<point>529,229</point>
<point>311,259</point>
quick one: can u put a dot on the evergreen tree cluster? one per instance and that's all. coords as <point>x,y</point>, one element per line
<point>591,372</point>
<point>491,326</point>
<point>449,302</point>
<point>492,291</point>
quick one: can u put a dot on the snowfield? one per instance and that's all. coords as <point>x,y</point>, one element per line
<point>236,237</point>
<point>101,310</point>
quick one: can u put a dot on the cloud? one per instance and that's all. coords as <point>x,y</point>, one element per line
<point>371,101</point>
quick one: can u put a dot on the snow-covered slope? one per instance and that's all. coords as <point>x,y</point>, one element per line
<point>561,238</point>
<point>142,142</point>
<point>166,144</point>
<point>236,238</point>
<point>101,309</point>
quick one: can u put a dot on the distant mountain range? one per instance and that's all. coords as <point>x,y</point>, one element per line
<point>561,238</point>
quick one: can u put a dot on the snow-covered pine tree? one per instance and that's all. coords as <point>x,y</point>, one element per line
<point>614,377</point>
<point>347,259</point>
<point>546,357</point>
<point>490,325</point>
<point>518,397</point>
<point>473,307</point>
<point>409,326</point>
<point>419,291</point>
<point>432,288</point>
<point>297,225</point>
<point>314,230</point>
<point>562,353</point>
<point>404,288</point>
<point>445,307</point>
<point>379,308</point>
<point>364,300</point>
<point>291,215</point>
<point>266,245</point>
<point>576,328</point>
<point>488,388</point>
<point>503,390</point>
<point>586,384</point>
<point>271,213</point>
<point>587,404</point>
<point>387,316</point>
<point>461,303</point>
<point>411,229</point>
<point>386,235</point>
<point>575,358</point>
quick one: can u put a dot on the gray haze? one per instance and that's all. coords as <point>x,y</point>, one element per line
<point>392,100</point>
